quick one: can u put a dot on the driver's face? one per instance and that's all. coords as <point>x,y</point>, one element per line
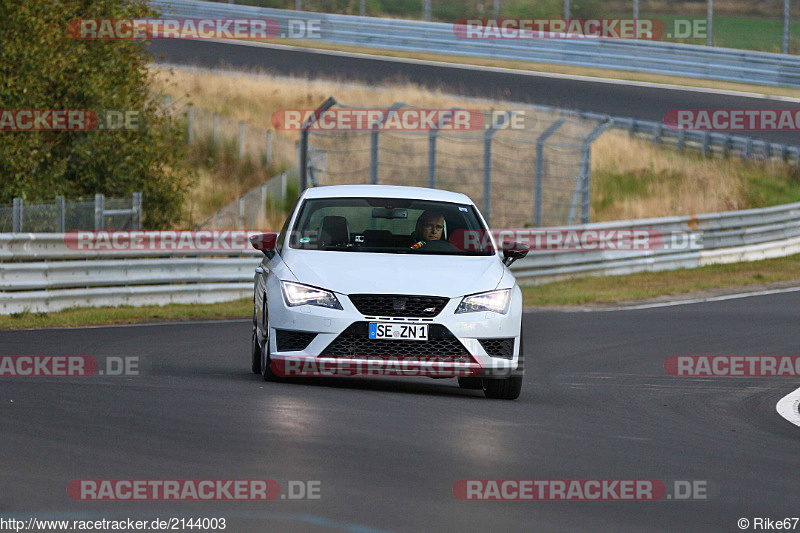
<point>432,229</point>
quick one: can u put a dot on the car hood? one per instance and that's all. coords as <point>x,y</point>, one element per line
<point>377,273</point>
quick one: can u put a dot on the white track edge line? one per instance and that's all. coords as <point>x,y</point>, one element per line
<point>789,407</point>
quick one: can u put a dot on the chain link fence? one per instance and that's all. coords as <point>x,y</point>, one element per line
<point>59,215</point>
<point>263,207</point>
<point>532,175</point>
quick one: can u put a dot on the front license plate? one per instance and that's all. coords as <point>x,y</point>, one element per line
<point>398,332</point>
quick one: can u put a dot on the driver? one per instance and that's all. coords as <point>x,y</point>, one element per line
<point>430,227</point>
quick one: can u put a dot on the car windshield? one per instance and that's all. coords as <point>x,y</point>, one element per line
<point>387,225</point>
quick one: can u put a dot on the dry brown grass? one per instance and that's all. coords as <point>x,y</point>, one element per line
<point>631,178</point>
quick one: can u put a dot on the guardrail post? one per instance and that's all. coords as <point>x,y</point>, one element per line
<point>767,149</point>
<point>496,8</point>
<point>62,218</point>
<point>632,127</point>
<point>241,140</point>
<point>283,187</point>
<point>432,159</point>
<point>241,212</point>
<point>706,143</point>
<point>657,133</point>
<point>537,199</point>
<point>269,146</point>
<point>681,140</point>
<point>748,148</point>
<point>16,216</point>
<point>137,211</point>
<point>99,208</point>
<point>216,129</point>
<point>566,9</point>
<point>426,10</point>
<point>190,125</point>
<point>362,8</point>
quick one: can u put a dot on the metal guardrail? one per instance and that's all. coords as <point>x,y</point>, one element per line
<point>39,272</point>
<point>416,36</point>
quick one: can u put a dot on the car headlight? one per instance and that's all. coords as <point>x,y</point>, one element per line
<point>298,294</point>
<point>496,301</point>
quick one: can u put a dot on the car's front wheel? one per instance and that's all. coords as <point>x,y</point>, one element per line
<point>255,350</point>
<point>507,388</point>
<point>265,359</point>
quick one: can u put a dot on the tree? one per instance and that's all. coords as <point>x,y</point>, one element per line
<point>43,67</point>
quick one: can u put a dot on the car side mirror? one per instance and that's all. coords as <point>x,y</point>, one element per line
<point>516,251</point>
<point>265,242</point>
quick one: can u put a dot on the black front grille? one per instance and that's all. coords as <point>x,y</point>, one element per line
<point>293,341</point>
<point>499,347</point>
<point>355,341</point>
<point>398,305</point>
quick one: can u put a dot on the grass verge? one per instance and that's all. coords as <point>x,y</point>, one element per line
<point>649,285</point>
<point>582,291</point>
<point>89,316</point>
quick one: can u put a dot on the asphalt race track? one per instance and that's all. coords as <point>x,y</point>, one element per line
<point>643,102</point>
<point>596,404</point>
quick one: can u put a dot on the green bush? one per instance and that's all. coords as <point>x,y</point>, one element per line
<point>43,67</point>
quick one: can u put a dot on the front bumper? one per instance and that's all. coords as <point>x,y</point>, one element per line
<point>457,342</point>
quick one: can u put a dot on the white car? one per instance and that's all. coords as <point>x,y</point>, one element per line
<point>368,280</point>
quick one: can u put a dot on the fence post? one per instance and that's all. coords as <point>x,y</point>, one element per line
<point>62,219</point>
<point>586,167</point>
<point>99,208</point>
<point>216,128</point>
<point>190,125</point>
<point>241,213</point>
<point>16,216</point>
<point>269,146</point>
<point>426,10</point>
<point>710,20</point>
<point>362,8</point>
<point>566,9</point>
<point>537,200</point>
<point>432,159</point>
<point>496,9</point>
<point>373,157</point>
<point>787,13</point>
<point>283,188</point>
<point>263,213</point>
<point>635,9</point>
<point>303,146</point>
<point>137,211</point>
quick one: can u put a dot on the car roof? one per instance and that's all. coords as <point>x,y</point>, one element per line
<point>387,191</point>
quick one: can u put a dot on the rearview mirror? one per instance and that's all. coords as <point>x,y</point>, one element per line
<point>517,251</point>
<point>265,242</point>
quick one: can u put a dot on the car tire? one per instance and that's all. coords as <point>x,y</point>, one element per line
<point>265,366</point>
<point>255,350</point>
<point>507,388</point>
<point>470,383</point>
